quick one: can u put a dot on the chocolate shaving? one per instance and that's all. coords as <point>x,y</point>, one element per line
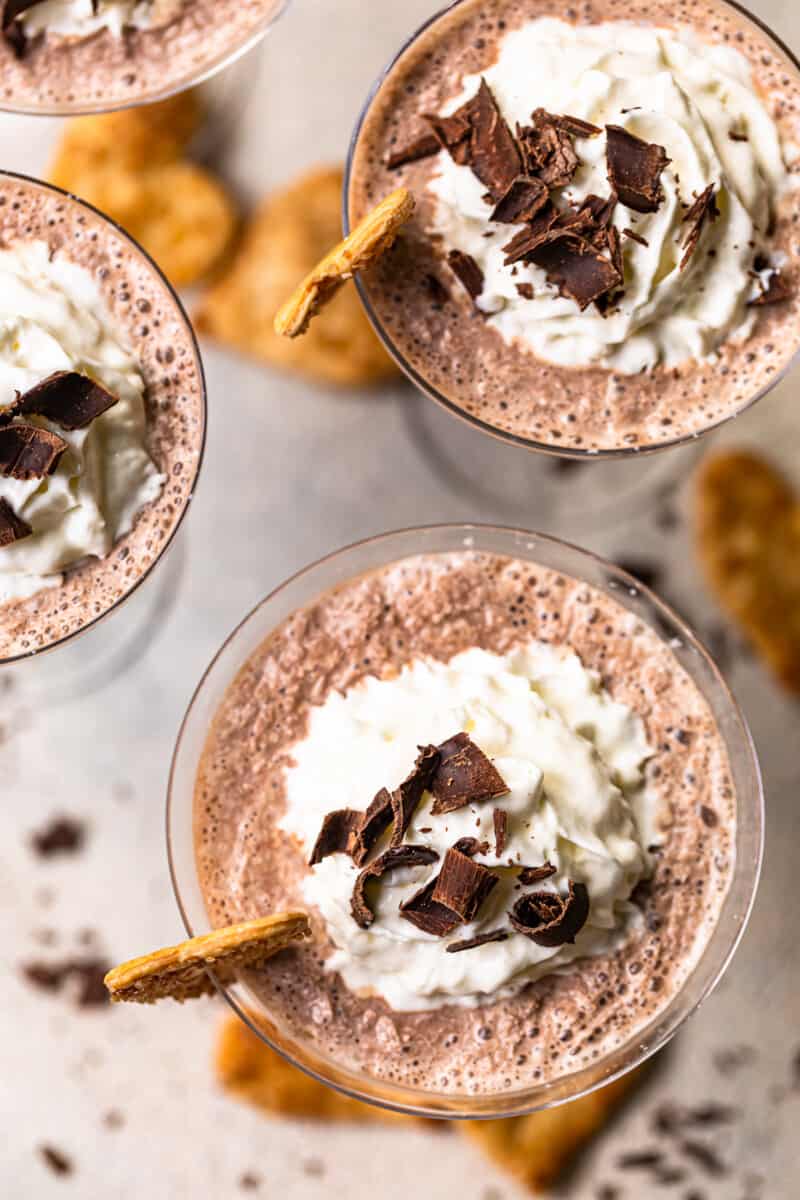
<point>63,835</point>
<point>336,835</point>
<point>525,290</point>
<point>477,136</point>
<point>419,147</point>
<point>575,125</point>
<point>500,820</point>
<point>438,292</point>
<point>735,136</point>
<point>776,291</point>
<point>614,243</point>
<point>464,776</point>
<point>577,268</point>
<point>375,821</point>
<point>67,399</point>
<point>549,919</point>
<point>634,169</point>
<point>467,271</point>
<point>704,206</point>
<point>27,452</point>
<point>12,527</point>
<point>635,237</point>
<point>453,132</point>
<point>406,798</point>
<point>421,910</point>
<point>13,30</point>
<point>463,885</point>
<point>471,846</point>
<point>390,860</point>
<point>529,875</point>
<point>705,1157</point>
<point>496,935</point>
<point>532,236</point>
<point>547,149</point>
<point>523,200</point>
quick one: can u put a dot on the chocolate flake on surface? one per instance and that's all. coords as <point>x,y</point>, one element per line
<point>634,169</point>
<point>12,527</point>
<point>423,911</point>
<point>58,1162</point>
<point>467,271</point>
<point>529,875</point>
<point>63,835</point>
<point>336,835</point>
<point>28,452</point>
<point>375,821</point>
<point>419,147</point>
<point>704,206</point>
<point>496,935</point>
<point>67,399</point>
<point>532,236</point>
<point>549,919</point>
<point>464,776</point>
<point>523,200</point>
<point>635,237</point>
<point>500,821</point>
<point>463,885</point>
<point>406,798</point>
<point>578,270</point>
<point>776,291</point>
<point>390,860</point>
<point>547,149</point>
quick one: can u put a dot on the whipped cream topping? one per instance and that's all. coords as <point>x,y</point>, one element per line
<point>82,18</point>
<point>53,318</point>
<point>573,760</point>
<point>665,87</point>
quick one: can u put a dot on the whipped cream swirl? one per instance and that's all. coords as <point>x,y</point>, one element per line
<point>82,18</point>
<point>573,760</point>
<point>697,100</point>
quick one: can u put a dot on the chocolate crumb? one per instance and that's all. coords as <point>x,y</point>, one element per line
<point>58,1162</point>
<point>62,835</point>
<point>249,1181</point>
<point>578,269</point>
<point>463,885</point>
<point>634,169</point>
<point>547,149</point>
<point>464,776</point>
<point>500,821</point>
<point>496,935</point>
<point>471,846</point>
<point>375,821</point>
<point>529,875</point>
<point>390,860</point>
<point>776,291</point>
<point>113,1119</point>
<point>549,919</point>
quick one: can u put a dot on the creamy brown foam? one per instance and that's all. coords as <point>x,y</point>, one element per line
<point>105,71</point>
<point>469,363</point>
<point>148,316</point>
<point>438,606</point>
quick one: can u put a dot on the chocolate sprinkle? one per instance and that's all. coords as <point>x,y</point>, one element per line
<point>549,919</point>
<point>28,452</point>
<point>464,776</point>
<point>406,798</point>
<point>575,267</point>
<point>496,935</point>
<point>634,169</point>
<point>12,527</point>
<point>529,875</point>
<point>523,200</point>
<point>390,860</point>
<point>776,291</point>
<point>500,820</point>
<point>67,399</point>
<point>419,147</point>
<point>375,821</point>
<point>463,885</point>
<point>467,271</point>
<point>58,1162</point>
<point>336,835</point>
<point>704,206</point>
<point>423,911</point>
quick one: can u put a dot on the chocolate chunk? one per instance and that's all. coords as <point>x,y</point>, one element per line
<point>467,271</point>
<point>375,821</point>
<point>500,820</point>
<point>529,875</point>
<point>27,452</point>
<point>547,150</point>
<point>634,169</point>
<point>464,776</point>
<point>471,846</point>
<point>577,269</point>
<point>532,236</point>
<point>63,835</point>
<point>390,860</point>
<point>549,919</point>
<point>406,798</point>
<point>496,935</point>
<point>704,206</point>
<point>67,399</point>
<point>493,153</point>
<point>423,911</point>
<point>336,835</point>
<point>463,885</point>
<point>58,1162</point>
<point>419,147</point>
<point>438,292</point>
<point>635,237</point>
<point>12,527</point>
<point>13,31</point>
<point>523,200</point>
<point>776,291</point>
<point>525,290</point>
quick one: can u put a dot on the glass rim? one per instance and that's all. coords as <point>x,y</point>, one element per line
<point>175,299</point>
<point>456,410</point>
<point>634,1052</point>
<point>191,79</point>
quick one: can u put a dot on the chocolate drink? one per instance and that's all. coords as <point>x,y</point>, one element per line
<point>168,45</point>
<point>144,314</point>
<point>438,606</point>
<point>682,343</point>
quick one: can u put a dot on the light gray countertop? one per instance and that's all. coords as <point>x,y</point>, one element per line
<point>89,730</point>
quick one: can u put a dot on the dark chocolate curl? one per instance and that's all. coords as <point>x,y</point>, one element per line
<point>375,821</point>
<point>28,452</point>
<point>464,776</point>
<point>336,834</point>
<point>634,169</point>
<point>423,911</point>
<point>463,885</point>
<point>390,860</point>
<point>406,798</point>
<point>549,919</point>
<point>67,399</point>
<point>12,527</point>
